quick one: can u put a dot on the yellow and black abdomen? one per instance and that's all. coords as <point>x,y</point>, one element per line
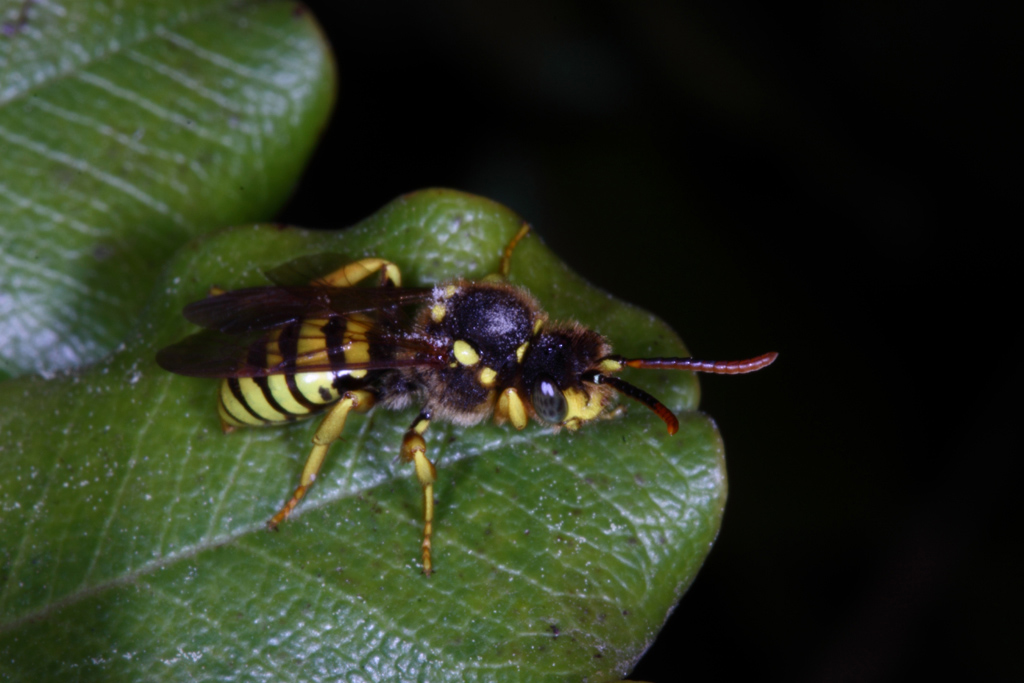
<point>293,394</point>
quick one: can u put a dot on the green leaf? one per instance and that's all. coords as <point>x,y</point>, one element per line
<point>127,127</point>
<point>134,545</point>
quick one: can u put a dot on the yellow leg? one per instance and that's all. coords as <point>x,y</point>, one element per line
<point>414,450</point>
<point>350,274</point>
<point>326,434</point>
<point>613,414</point>
<point>510,408</point>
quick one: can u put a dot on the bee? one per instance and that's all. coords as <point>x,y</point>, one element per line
<point>460,351</point>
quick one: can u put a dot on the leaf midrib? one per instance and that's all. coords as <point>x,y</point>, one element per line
<point>344,491</point>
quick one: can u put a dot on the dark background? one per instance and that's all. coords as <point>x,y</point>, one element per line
<point>824,180</point>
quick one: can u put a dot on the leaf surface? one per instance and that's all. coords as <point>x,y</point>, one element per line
<point>127,127</point>
<point>134,545</point>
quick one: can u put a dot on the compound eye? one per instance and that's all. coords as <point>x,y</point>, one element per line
<point>548,401</point>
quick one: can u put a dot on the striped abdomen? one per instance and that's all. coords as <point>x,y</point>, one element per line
<point>255,401</point>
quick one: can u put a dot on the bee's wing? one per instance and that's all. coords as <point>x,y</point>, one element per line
<point>262,308</point>
<point>211,353</point>
<point>305,269</point>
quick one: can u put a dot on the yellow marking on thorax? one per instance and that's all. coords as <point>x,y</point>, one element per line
<point>464,353</point>
<point>487,377</point>
<point>521,351</point>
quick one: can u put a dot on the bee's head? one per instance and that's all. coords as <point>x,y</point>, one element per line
<point>567,377</point>
<point>554,378</point>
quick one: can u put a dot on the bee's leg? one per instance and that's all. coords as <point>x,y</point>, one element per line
<point>326,434</point>
<point>613,414</point>
<point>414,450</point>
<point>350,274</point>
<point>506,258</point>
<point>510,408</point>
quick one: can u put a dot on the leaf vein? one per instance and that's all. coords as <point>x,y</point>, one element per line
<point>215,58</point>
<point>37,511</point>
<point>100,175</point>
<point>58,277</point>
<point>194,86</point>
<point>22,202</point>
<point>225,489</point>
<point>164,114</point>
<point>362,606</point>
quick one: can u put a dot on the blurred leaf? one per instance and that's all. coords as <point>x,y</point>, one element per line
<point>133,530</point>
<point>127,127</point>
